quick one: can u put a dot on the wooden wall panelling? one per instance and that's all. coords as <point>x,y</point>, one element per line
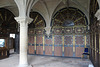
<point>31,49</point>
<point>68,45</point>
<point>79,45</point>
<point>58,45</point>
<point>73,45</point>
<point>96,58</point>
<point>93,47</point>
<point>57,51</point>
<point>85,39</point>
<point>97,47</point>
<point>39,44</point>
<point>35,43</point>
<point>63,45</point>
<point>48,50</point>
<point>48,46</point>
<point>68,51</point>
<point>79,51</point>
<point>88,40</point>
<point>52,44</point>
<point>39,49</point>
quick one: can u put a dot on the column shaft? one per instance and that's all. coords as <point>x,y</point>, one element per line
<point>23,60</point>
<point>23,43</point>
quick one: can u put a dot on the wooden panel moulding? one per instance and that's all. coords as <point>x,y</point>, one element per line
<point>79,51</point>
<point>43,43</point>
<point>31,49</point>
<point>95,48</point>
<point>68,51</point>
<point>48,50</point>
<point>58,51</point>
<point>35,42</point>
<point>53,42</point>
<point>39,50</point>
<point>73,43</point>
<point>85,40</point>
<point>63,43</point>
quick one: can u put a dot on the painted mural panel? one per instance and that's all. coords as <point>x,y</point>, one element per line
<point>68,30</point>
<point>88,39</point>
<point>57,39</point>
<point>31,31</point>
<point>79,30</point>
<point>48,41</point>
<point>79,45</point>
<point>31,40</point>
<point>57,31</point>
<point>79,40</point>
<point>68,40</point>
<point>39,39</point>
<point>39,31</point>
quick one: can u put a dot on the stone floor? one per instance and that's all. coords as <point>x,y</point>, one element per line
<point>45,61</point>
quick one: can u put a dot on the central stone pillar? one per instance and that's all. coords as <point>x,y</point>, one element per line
<point>23,61</point>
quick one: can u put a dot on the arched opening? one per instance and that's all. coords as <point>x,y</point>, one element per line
<point>8,27</point>
<point>70,32</point>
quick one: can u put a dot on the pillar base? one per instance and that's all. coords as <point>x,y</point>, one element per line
<point>24,66</point>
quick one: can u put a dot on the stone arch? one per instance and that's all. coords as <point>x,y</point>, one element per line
<point>38,20</point>
<point>64,13</point>
<point>7,22</point>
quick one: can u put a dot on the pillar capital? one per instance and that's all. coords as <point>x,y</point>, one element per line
<point>23,20</point>
<point>98,14</point>
<point>48,30</point>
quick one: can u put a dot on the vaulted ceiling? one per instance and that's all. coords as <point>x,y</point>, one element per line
<point>47,8</point>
